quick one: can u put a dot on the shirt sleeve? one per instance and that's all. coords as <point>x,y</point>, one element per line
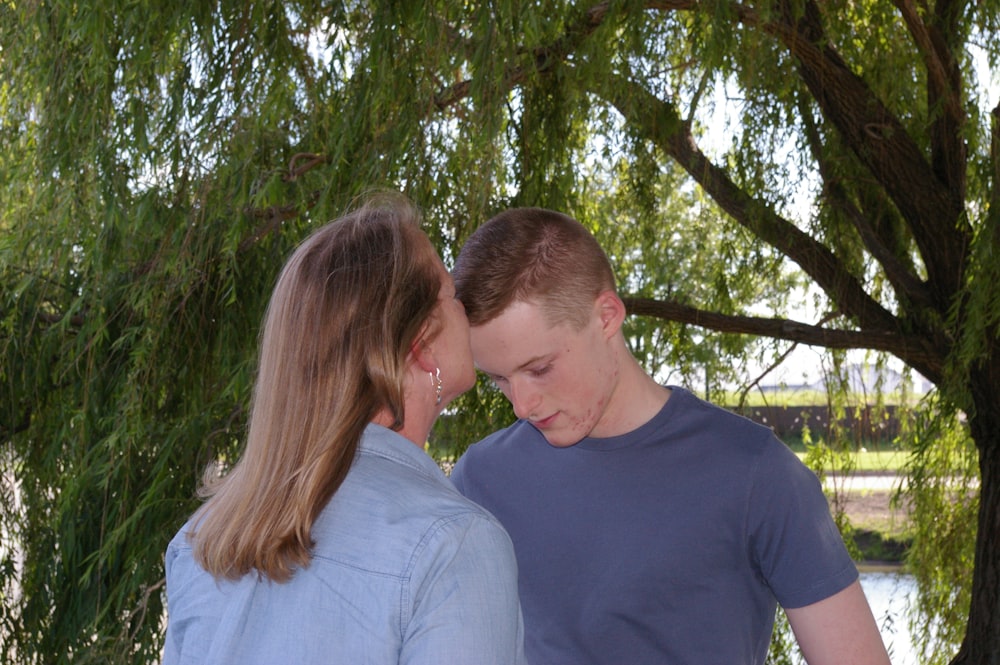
<point>795,543</point>
<point>171,654</point>
<point>457,476</point>
<point>463,601</point>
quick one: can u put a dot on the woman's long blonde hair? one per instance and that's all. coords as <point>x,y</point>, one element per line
<point>347,308</point>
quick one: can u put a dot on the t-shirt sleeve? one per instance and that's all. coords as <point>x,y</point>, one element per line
<point>474,469</point>
<point>458,473</point>
<point>794,541</point>
<point>463,599</point>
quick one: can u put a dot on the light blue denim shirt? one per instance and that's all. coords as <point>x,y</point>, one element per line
<point>405,570</point>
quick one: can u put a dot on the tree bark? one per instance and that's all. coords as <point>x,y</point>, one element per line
<point>913,349</point>
<point>981,645</point>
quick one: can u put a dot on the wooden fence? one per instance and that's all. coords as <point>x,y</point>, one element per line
<point>870,427</point>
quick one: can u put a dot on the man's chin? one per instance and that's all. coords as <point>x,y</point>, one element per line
<point>560,439</point>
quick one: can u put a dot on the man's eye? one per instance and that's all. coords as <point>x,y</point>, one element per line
<point>540,371</point>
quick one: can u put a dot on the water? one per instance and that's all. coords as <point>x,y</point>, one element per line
<point>890,595</point>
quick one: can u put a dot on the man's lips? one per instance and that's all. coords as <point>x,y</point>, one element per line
<point>544,422</point>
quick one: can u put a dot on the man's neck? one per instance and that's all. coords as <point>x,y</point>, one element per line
<point>636,400</point>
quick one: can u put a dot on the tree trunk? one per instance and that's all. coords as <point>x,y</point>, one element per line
<point>982,637</point>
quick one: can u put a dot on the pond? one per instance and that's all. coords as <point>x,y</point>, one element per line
<point>890,594</point>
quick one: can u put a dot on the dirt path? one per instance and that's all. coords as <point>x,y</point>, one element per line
<point>873,507</point>
<point>881,530</point>
<point>867,501</point>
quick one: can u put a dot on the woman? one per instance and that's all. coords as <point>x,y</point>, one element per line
<point>335,538</point>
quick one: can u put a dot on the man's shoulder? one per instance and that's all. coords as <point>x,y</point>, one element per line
<point>714,416</point>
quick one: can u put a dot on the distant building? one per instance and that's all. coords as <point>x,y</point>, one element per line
<point>862,378</point>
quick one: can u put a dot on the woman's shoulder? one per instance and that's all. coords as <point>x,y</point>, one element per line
<point>391,507</point>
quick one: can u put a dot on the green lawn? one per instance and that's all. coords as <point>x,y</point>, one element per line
<point>804,397</point>
<point>875,461</point>
<point>887,459</point>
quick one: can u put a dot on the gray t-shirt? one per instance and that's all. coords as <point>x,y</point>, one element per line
<point>671,544</point>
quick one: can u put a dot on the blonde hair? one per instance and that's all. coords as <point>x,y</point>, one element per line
<point>349,304</point>
<point>532,255</point>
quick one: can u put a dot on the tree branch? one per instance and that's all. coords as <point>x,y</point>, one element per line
<point>547,57</point>
<point>905,282</point>
<point>662,125</point>
<point>7,432</point>
<point>937,70</point>
<point>995,160</point>
<point>949,153</point>
<point>914,350</point>
<point>274,216</point>
<point>52,318</point>
<point>309,162</point>
<point>881,143</point>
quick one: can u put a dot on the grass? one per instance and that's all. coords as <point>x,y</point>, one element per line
<point>872,454</point>
<point>878,461</point>
<point>806,397</point>
<point>887,459</point>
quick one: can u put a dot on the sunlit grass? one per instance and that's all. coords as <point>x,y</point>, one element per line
<point>805,397</point>
<point>880,461</point>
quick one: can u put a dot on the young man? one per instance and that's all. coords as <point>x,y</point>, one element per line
<point>649,526</point>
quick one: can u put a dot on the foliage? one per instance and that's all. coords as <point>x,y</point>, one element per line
<point>941,474</point>
<point>782,642</point>
<point>652,227</point>
<point>159,160</point>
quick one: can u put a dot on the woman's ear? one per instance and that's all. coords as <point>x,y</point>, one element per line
<point>421,352</point>
<point>610,311</point>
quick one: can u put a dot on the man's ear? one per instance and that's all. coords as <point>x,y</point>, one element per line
<point>611,312</point>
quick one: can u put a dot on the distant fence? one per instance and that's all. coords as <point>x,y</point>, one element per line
<point>869,426</point>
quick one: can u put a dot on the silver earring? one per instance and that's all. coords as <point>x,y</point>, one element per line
<point>436,382</point>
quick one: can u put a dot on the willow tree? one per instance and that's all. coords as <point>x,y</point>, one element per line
<point>158,161</point>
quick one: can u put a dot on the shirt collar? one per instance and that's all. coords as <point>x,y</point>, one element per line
<point>383,442</point>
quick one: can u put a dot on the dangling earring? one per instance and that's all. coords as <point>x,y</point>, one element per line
<point>436,382</point>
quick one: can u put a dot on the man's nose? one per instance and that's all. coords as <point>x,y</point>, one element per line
<point>524,399</point>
